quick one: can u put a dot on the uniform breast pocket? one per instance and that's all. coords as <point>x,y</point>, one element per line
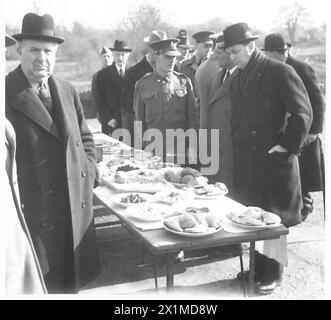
<point>151,106</point>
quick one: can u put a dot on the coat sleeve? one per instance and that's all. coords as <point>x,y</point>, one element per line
<point>309,78</point>
<point>296,102</point>
<point>104,110</point>
<point>87,138</point>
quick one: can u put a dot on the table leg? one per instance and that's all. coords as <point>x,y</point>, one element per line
<point>242,272</point>
<point>155,274</point>
<point>170,273</point>
<point>251,267</point>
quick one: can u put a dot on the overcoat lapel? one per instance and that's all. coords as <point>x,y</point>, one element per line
<point>116,77</point>
<point>65,110</point>
<point>27,102</point>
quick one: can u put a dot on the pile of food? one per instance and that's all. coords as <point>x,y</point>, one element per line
<point>254,216</point>
<point>211,189</point>
<point>127,168</point>
<point>138,177</point>
<point>147,212</point>
<point>133,198</point>
<point>188,177</point>
<point>172,196</point>
<point>194,220</point>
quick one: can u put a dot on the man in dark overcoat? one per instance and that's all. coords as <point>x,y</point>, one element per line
<point>55,158</point>
<point>109,83</point>
<point>271,116</point>
<point>310,157</point>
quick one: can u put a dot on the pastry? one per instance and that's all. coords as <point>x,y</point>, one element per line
<point>173,224</point>
<point>187,221</point>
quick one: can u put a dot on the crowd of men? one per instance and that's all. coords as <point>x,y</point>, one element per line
<point>266,106</point>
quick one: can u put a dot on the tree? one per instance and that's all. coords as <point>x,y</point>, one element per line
<point>293,18</point>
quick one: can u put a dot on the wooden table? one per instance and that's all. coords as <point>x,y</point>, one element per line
<point>161,242</point>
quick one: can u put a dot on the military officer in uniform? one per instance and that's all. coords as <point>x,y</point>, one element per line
<point>203,47</point>
<point>164,99</point>
<point>183,47</point>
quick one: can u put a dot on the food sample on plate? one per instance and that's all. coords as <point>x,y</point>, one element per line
<point>172,196</point>
<point>254,216</point>
<point>126,168</point>
<point>198,223</point>
<point>155,165</point>
<point>138,177</point>
<point>188,177</point>
<point>148,212</point>
<point>211,189</point>
<point>133,198</point>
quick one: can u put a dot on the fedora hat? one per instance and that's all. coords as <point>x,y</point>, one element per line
<point>275,42</point>
<point>35,27</point>
<point>156,35</point>
<point>9,41</point>
<point>121,46</point>
<point>167,47</point>
<point>238,33</point>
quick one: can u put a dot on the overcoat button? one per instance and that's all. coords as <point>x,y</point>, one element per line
<point>43,222</point>
<point>83,174</point>
<point>253,133</point>
<point>77,143</point>
<point>83,205</point>
<point>22,206</point>
<point>253,148</point>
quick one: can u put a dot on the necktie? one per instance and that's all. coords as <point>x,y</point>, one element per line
<point>45,97</point>
<point>227,75</point>
<point>121,73</point>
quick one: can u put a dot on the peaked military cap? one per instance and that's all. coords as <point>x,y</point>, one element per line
<point>167,47</point>
<point>203,37</point>
<point>156,35</point>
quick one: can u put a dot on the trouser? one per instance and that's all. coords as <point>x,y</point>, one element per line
<point>267,269</point>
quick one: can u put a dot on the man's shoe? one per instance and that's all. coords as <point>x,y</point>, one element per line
<point>265,288</point>
<point>245,275</point>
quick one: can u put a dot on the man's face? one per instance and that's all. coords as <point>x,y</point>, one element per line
<point>223,58</point>
<point>120,58</point>
<point>240,54</point>
<point>164,63</point>
<point>184,53</point>
<point>37,59</point>
<point>106,59</point>
<point>203,49</point>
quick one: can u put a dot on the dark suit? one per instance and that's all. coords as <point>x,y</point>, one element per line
<point>310,157</point>
<point>108,96</point>
<point>261,96</point>
<point>131,77</point>
<point>56,173</point>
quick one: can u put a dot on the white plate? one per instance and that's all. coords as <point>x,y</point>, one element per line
<point>138,210</point>
<point>163,196</point>
<point>192,235</point>
<point>245,226</point>
<point>99,142</point>
<point>116,198</point>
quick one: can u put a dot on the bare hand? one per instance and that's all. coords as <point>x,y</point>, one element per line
<point>277,148</point>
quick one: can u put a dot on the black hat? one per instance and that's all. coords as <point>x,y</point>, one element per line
<point>238,33</point>
<point>35,27</point>
<point>275,42</point>
<point>121,46</point>
<point>203,36</point>
<point>9,41</point>
<point>156,35</point>
<point>167,47</point>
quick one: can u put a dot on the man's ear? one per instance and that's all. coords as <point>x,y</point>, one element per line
<point>19,49</point>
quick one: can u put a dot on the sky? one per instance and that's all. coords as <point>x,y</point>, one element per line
<point>107,13</point>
